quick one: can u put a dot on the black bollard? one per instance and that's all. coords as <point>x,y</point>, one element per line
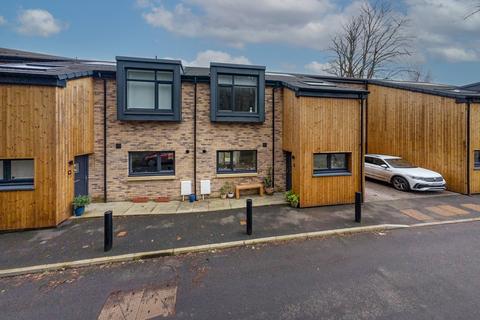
<point>358,207</point>
<point>249,217</point>
<point>108,231</point>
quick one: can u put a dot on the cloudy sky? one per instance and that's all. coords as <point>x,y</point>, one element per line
<point>284,35</point>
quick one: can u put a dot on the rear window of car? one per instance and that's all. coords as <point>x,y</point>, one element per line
<point>399,163</point>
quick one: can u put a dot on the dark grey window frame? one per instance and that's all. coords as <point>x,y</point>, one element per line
<point>231,157</point>
<point>217,115</point>
<point>346,171</point>
<point>7,184</point>
<point>148,174</point>
<point>476,165</point>
<point>123,113</point>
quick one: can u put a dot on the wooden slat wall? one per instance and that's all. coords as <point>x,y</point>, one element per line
<point>27,130</point>
<point>321,125</point>
<point>428,130</point>
<point>474,145</point>
<point>74,137</point>
<point>50,125</point>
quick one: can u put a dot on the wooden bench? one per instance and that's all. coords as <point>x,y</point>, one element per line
<point>248,186</point>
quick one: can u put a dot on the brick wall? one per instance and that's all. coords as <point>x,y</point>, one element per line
<point>158,136</point>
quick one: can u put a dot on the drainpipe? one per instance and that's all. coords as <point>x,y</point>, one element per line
<point>468,147</point>
<point>273,136</point>
<point>366,118</point>
<point>104,140</point>
<point>195,137</point>
<point>362,99</point>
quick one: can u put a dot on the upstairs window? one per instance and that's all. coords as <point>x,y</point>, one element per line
<point>331,164</point>
<point>148,89</point>
<point>16,174</point>
<point>237,93</point>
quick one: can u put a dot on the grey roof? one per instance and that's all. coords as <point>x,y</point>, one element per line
<point>13,55</point>
<point>46,69</point>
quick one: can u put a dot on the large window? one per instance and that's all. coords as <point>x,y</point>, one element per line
<point>148,89</point>
<point>476,160</point>
<point>16,174</point>
<point>237,93</point>
<point>237,161</point>
<point>331,164</point>
<point>151,163</point>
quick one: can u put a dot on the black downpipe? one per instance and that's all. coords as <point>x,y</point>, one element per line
<point>104,140</point>
<point>366,118</point>
<point>273,136</point>
<point>362,99</point>
<point>468,147</point>
<point>195,137</point>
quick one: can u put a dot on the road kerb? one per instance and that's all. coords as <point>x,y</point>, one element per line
<point>436,223</point>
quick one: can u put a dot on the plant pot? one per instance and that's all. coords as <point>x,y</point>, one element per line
<point>78,211</point>
<point>230,195</point>
<point>192,198</point>
<point>269,190</point>
<point>223,196</point>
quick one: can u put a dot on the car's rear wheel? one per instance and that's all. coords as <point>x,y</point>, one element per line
<point>400,183</point>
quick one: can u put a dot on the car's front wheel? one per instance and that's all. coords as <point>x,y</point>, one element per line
<point>400,183</point>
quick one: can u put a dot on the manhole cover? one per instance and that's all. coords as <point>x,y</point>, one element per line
<point>140,304</point>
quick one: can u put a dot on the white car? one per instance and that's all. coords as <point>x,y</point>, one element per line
<point>403,175</point>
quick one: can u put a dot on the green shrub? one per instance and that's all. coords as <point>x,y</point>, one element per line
<point>267,181</point>
<point>292,198</point>
<point>81,201</point>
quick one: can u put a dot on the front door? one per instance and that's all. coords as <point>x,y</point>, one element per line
<point>81,175</point>
<point>288,173</point>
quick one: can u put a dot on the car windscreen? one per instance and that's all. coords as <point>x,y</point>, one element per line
<point>399,163</point>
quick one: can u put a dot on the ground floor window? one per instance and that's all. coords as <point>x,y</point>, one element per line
<point>16,174</point>
<point>330,163</point>
<point>476,159</point>
<point>146,163</point>
<point>237,161</point>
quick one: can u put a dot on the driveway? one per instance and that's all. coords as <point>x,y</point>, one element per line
<point>381,191</point>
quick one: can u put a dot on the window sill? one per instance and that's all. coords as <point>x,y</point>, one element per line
<point>151,178</point>
<point>237,175</point>
<point>332,174</point>
<point>17,188</point>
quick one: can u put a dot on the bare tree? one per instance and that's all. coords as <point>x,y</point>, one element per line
<point>370,43</point>
<point>417,73</point>
<point>474,12</point>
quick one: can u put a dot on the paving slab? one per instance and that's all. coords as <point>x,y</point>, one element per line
<point>141,208</point>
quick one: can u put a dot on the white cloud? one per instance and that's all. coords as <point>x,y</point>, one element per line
<point>306,23</point>
<point>3,21</point>
<point>204,58</point>
<point>38,22</point>
<point>455,54</point>
<point>441,28</point>
<point>317,67</point>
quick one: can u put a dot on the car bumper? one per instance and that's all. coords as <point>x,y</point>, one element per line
<point>425,186</point>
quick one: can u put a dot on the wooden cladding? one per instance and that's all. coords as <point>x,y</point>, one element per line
<point>427,130</point>
<point>50,125</point>
<point>474,145</point>
<point>323,125</point>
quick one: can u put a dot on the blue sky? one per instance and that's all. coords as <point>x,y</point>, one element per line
<point>288,35</point>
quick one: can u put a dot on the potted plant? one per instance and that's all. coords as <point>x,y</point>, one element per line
<point>229,189</point>
<point>223,192</point>
<point>267,182</point>
<point>79,203</point>
<point>292,198</point>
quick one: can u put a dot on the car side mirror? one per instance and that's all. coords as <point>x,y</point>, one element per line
<point>384,166</point>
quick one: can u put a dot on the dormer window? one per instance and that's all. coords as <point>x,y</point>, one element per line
<point>237,93</point>
<point>148,89</point>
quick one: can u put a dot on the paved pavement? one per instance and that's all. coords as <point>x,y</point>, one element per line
<point>419,273</point>
<point>83,239</point>
<point>127,208</point>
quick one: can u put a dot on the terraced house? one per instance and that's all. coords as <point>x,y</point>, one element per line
<point>154,128</point>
